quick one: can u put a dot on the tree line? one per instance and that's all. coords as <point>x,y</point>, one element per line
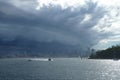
<point>109,53</point>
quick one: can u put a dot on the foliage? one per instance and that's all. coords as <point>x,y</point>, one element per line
<point>110,53</point>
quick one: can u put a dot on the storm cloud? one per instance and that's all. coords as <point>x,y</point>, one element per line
<point>47,23</point>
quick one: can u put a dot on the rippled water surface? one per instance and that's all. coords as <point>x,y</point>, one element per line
<point>59,69</point>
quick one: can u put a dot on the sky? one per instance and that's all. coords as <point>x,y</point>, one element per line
<point>86,23</point>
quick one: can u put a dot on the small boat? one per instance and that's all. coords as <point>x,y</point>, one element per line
<point>37,59</point>
<point>49,59</point>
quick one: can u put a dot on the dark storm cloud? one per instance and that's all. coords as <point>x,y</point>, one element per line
<point>51,23</point>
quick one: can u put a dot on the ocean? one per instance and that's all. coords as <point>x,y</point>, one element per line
<point>59,69</point>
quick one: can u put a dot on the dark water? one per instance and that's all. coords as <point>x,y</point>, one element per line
<point>59,69</point>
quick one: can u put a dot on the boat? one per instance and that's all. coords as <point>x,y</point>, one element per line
<point>49,59</point>
<point>40,59</point>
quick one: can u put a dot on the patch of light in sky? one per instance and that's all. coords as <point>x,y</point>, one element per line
<point>103,41</point>
<point>68,3</point>
<point>109,2</point>
<point>63,3</point>
<point>87,17</point>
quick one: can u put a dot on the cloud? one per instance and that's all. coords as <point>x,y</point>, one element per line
<point>108,27</point>
<point>55,21</point>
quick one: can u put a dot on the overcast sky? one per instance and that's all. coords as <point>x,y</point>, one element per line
<point>77,22</point>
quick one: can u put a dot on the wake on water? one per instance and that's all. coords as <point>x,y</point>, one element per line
<point>40,59</point>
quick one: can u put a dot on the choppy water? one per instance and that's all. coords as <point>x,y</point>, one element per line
<point>59,69</point>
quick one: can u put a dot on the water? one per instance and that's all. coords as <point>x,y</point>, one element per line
<point>59,69</point>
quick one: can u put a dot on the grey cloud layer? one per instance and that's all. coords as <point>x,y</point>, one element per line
<point>51,23</point>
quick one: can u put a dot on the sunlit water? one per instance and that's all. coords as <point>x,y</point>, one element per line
<point>59,69</point>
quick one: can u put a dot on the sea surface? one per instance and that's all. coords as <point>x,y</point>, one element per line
<point>59,69</point>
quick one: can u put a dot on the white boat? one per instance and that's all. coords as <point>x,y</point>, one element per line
<point>40,59</point>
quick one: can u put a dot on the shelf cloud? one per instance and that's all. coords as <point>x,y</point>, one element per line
<point>84,22</point>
